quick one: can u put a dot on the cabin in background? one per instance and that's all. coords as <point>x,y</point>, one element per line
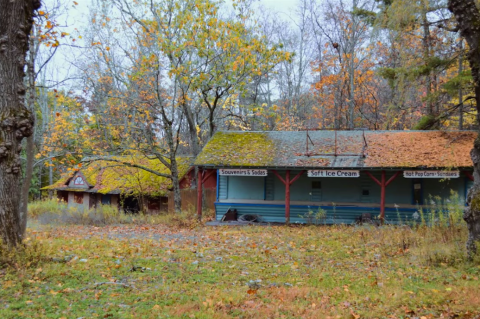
<point>128,188</point>
<point>343,175</point>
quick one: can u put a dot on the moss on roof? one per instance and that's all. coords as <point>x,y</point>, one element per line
<point>345,149</point>
<point>112,177</point>
<point>238,149</point>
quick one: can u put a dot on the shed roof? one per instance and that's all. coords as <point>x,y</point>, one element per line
<point>354,149</point>
<point>107,177</point>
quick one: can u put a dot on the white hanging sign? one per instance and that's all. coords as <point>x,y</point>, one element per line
<point>431,174</point>
<point>333,173</point>
<point>242,172</point>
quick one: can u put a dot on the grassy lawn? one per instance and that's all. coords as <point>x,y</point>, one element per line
<point>135,271</point>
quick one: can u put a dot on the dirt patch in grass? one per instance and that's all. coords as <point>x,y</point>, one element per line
<point>142,271</point>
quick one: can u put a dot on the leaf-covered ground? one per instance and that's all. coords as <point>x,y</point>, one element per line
<point>246,272</point>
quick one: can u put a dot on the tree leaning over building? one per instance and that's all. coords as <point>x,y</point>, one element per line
<point>467,15</point>
<point>16,122</point>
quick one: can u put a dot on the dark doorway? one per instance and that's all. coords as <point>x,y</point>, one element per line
<point>417,185</point>
<point>131,205</point>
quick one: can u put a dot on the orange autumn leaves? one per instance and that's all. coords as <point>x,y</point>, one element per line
<point>419,149</point>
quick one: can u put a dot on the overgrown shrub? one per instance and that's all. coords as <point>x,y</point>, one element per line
<point>315,218</point>
<point>38,208</point>
<point>185,219</point>
<point>99,216</point>
<point>54,212</point>
<point>436,234</point>
<point>27,255</point>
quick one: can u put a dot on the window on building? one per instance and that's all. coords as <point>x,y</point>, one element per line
<point>106,199</point>
<point>316,185</point>
<point>365,192</point>
<point>78,198</point>
<point>78,181</point>
<point>417,191</point>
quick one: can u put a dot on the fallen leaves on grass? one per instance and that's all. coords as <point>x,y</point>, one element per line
<point>248,272</point>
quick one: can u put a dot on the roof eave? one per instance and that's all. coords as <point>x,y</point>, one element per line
<point>216,166</point>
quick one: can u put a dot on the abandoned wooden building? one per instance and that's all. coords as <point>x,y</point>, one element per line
<point>346,175</point>
<point>128,188</point>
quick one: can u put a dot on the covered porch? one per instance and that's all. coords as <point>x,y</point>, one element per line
<point>341,176</point>
<point>337,196</point>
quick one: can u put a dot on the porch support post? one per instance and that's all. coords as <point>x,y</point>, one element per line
<point>382,198</point>
<point>204,179</point>
<point>383,183</point>
<point>199,193</point>
<point>287,197</point>
<point>469,175</point>
<point>287,182</point>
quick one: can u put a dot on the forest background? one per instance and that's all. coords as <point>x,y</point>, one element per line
<point>160,78</point>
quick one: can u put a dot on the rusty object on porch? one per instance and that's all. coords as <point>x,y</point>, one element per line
<point>230,215</point>
<point>251,218</point>
<point>366,218</point>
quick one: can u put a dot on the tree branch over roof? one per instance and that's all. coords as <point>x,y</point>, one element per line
<point>129,165</point>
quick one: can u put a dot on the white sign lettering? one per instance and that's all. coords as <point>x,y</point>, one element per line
<point>431,174</point>
<point>333,173</point>
<point>242,172</point>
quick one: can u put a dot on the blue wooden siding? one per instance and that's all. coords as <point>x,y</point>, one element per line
<point>269,187</point>
<point>337,193</point>
<point>246,187</point>
<point>336,190</point>
<point>222,190</point>
<point>334,214</point>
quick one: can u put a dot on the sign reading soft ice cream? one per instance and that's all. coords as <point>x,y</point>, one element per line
<point>242,172</point>
<point>333,173</point>
<point>431,174</point>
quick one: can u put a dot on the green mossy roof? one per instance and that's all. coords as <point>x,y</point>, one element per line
<point>112,177</point>
<point>238,149</point>
<point>343,149</point>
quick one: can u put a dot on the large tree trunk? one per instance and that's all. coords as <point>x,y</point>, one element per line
<point>177,197</point>
<point>468,17</point>
<point>192,128</point>
<point>16,122</point>
<point>29,151</point>
<point>460,90</point>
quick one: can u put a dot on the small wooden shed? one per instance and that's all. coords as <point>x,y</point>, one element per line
<point>285,176</point>
<point>128,188</point>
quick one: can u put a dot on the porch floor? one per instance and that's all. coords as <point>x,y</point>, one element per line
<point>240,223</point>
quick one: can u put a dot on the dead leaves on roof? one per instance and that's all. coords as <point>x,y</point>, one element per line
<point>384,149</point>
<point>419,149</point>
<point>309,162</point>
